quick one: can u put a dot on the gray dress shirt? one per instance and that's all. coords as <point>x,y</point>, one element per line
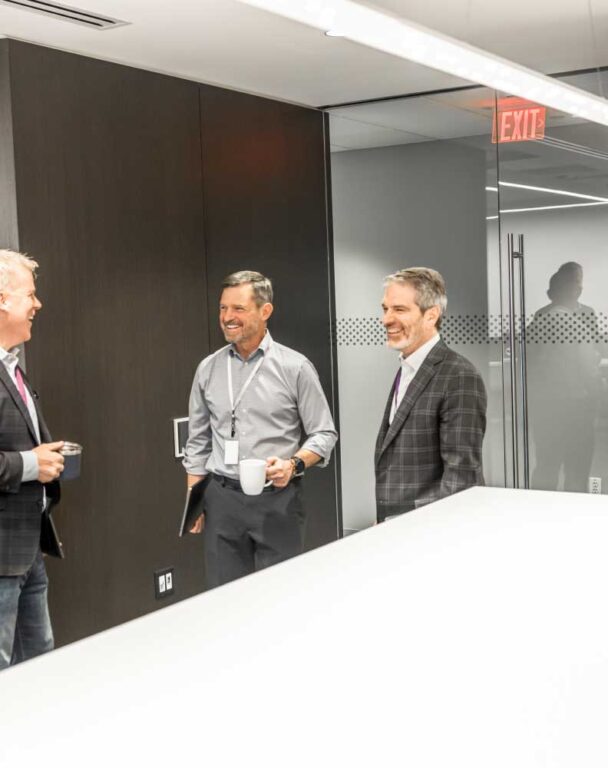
<point>283,400</point>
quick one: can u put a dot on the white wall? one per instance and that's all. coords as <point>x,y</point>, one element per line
<point>425,204</point>
<point>412,205</point>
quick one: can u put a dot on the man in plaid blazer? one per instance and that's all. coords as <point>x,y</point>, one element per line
<point>29,467</point>
<point>430,440</point>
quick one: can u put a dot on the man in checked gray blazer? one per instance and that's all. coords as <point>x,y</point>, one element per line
<point>29,467</point>
<point>430,440</point>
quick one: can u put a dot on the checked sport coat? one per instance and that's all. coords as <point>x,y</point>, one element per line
<point>433,447</point>
<point>24,525</point>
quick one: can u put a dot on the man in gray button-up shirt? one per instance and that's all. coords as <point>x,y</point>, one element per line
<point>253,399</point>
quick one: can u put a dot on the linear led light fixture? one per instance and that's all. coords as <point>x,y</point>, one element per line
<point>551,207</point>
<point>546,208</point>
<point>563,192</point>
<point>424,46</point>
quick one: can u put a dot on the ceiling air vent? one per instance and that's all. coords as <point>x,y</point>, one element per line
<point>88,19</point>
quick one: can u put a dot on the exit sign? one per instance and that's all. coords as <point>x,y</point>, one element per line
<point>516,122</point>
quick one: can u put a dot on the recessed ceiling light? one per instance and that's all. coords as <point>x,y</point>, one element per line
<point>413,42</point>
<point>334,33</point>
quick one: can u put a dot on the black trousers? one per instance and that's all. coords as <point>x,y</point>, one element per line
<point>244,533</point>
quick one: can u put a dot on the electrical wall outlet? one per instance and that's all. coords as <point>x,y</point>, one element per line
<point>595,485</point>
<point>163,582</point>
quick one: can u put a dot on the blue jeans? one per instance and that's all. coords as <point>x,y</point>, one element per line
<point>25,624</point>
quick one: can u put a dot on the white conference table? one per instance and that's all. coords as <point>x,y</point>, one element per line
<point>473,632</point>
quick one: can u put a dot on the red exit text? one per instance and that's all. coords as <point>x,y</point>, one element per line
<point>518,124</point>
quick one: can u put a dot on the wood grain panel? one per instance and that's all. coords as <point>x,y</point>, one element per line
<point>266,210</point>
<point>109,182</point>
<point>137,193</point>
<point>9,236</point>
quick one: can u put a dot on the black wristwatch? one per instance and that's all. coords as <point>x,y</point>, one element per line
<point>298,466</point>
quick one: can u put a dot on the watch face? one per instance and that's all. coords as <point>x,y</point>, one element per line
<point>299,465</point>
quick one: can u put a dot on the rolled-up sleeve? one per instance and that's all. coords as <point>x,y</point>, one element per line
<point>321,435</point>
<point>199,445</point>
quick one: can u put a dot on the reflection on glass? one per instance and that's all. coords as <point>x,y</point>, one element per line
<point>414,184</point>
<point>419,181</point>
<point>563,361</point>
<point>554,191</point>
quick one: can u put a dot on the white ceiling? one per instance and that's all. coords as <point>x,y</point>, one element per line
<point>547,35</point>
<point>456,114</point>
<point>227,43</point>
<point>573,156</point>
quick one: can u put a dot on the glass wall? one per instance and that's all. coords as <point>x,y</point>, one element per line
<point>553,194</point>
<point>410,181</point>
<point>423,181</point>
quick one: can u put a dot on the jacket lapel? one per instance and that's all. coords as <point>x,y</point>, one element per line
<point>384,422</point>
<point>45,435</point>
<point>415,389</point>
<point>17,399</point>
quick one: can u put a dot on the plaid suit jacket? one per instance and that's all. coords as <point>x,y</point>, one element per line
<point>24,526</point>
<point>433,447</point>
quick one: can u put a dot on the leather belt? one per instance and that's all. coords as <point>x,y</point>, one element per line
<point>229,482</point>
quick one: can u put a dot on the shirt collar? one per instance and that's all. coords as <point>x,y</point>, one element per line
<point>262,349</point>
<point>10,357</point>
<point>415,360</point>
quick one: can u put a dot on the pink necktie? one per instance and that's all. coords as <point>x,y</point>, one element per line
<point>20,384</point>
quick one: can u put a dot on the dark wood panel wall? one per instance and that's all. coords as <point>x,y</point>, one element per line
<point>265,210</point>
<point>108,167</point>
<point>9,236</point>
<point>137,192</point>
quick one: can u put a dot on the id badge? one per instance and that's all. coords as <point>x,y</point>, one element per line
<point>231,452</point>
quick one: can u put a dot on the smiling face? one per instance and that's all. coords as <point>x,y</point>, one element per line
<point>243,323</point>
<point>407,327</point>
<point>18,306</point>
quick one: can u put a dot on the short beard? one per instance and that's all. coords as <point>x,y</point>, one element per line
<point>398,346</point>
<point>234,339</point>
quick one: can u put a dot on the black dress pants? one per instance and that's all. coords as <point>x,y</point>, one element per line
<point>244,533</point>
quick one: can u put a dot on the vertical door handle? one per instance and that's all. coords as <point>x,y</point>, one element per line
<point>513,374</point>
<point>517,255</point>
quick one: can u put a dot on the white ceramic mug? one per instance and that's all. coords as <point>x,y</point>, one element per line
<point>252,474</point>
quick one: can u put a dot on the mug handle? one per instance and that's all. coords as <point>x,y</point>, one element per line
<point>267,484</point>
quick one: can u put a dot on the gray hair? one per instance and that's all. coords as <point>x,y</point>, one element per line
<point>429,286</point>
<point>262,287</point>
<point>9,263</point>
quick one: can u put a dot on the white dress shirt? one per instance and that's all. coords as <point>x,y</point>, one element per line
<point>409,368</point>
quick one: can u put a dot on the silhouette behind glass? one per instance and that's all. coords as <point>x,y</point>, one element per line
<point>563,383</point>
